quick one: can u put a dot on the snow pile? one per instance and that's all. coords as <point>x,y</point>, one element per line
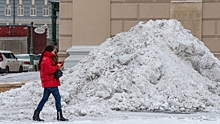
<point>157,66</point>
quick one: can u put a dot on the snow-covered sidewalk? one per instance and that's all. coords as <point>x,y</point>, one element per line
<point>131,118</point>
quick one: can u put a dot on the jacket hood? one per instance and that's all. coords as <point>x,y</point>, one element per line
<point>49,54</point>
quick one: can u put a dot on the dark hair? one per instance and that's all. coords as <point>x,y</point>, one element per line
<point>49,48</point>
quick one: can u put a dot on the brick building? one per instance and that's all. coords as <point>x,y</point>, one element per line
<point>25,12</point>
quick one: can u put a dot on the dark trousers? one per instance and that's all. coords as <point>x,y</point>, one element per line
<point>56,94</point>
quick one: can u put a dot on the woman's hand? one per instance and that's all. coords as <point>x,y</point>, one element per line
<point>60,64</point>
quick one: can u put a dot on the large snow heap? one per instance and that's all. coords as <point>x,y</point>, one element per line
<point>157,66</point>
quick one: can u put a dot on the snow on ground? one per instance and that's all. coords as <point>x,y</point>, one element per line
<point>114,118</point>
<point>16,77</point>
<point>154,67</point>
<point>137,120</point>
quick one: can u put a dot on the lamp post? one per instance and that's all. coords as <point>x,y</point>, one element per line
<point>55,9</point>
<point>31,67</point>
<point>13,12</point>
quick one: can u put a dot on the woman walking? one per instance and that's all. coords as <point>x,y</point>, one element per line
<point>48,66</point>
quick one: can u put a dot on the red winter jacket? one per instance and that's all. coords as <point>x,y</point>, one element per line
<point>48,67</point>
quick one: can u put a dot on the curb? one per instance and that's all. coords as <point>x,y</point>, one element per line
<point>8,85</point>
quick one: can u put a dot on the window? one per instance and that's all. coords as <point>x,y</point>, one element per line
<point>45,10</point>
<point>20,10</point>
<point>33,10</point>
<point>7,55</point>
<point>7,10</point>
<point>12,56</point>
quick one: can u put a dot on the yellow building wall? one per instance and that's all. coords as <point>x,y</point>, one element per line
<point>91,22</point>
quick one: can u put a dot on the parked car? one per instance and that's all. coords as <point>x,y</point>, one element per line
<point>25,58</point>
<point>9,63</point>
<point>38,56</point>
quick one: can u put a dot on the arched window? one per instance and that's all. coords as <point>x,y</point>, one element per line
<point>33,8</point>
<point>7,10</point>
<point>45,10</point>
<point>20,10</point>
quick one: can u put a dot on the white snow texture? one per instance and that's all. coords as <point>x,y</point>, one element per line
<point>155,66</point>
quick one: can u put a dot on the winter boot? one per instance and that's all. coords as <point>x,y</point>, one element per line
<point>36,116</point>
<point>60,116</point>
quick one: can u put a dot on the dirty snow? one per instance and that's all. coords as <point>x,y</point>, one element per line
<point>156,66</point>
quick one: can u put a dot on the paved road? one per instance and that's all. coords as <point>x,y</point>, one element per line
<point>19,77</point>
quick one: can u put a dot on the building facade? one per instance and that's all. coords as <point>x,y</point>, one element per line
<point>23,12</point>
<point>88,23</point>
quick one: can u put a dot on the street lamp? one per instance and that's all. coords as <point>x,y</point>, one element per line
<point>13,12</point>
<point>55,9</point>
<point>31,67</point>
